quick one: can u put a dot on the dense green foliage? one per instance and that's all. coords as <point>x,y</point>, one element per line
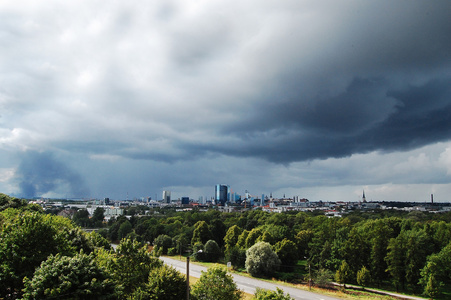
<point>392,246</point>
<point>262,294</point>
<point>407,251</point>
<point>43,256</point>
<point>261,260</point>
<point>215,284</point>
<point>77,277</point>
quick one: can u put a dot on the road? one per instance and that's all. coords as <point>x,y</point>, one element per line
<point>247,284</point>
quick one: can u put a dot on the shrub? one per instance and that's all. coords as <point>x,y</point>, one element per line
<point>261,260</point>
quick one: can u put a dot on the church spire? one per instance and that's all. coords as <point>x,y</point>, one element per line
<point>363,197</point>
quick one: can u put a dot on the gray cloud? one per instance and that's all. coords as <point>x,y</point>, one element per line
<point>170,83</point>
<point>41,172</point>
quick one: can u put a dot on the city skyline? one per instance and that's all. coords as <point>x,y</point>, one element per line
<point>316,99</point>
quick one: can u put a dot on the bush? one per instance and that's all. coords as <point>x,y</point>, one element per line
<point>163,242</point>
<point>215,284</point>
<point>324,278</point>
<point>78,276</point>
<point>212,251</point>
<point>262,294</point>
<point>261,260</point>
<point>165,283</point>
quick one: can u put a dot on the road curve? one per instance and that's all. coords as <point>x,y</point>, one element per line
<point>247,284</point>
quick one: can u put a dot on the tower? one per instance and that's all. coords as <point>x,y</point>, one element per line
<point>167,196</point>
<point>363,197</point>
<point>221,192</point>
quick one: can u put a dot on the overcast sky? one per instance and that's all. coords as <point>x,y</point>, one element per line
<point>316,99</point>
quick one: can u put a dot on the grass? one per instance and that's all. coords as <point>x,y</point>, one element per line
<point>301,272</point>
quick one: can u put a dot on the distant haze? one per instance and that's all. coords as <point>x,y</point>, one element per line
<point>318,99</point>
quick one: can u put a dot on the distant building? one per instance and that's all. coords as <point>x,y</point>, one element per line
<point>167,196</point>
<point>185,200</point>
<point>221,194</point>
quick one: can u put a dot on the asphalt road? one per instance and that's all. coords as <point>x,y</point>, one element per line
<point>247,284</point>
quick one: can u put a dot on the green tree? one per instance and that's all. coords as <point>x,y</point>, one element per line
<point>343,274</point>
<point>287,252</point>
<point>236,256</point>
<point>436,272</point>
<point>278,294</point>
<point>64,277</point>
<point>396,261</point>
<point>81,218</point>
<point>163,242</point>
<point>27,239</point>
<point>98,217</point>
<point>165,283</point>
<point>212,251</point>
<point>124,229</point>
<point>242,239</point>
<point>11,202</point>
<point>363,277</point>
<point>323,278</point>
<point>303,238</point>
<point>261,260</point>
<point>231,237</point>
<point>215,284</point>
<point>252,237</point>
<point>201,233</point>
<point>129,265</point>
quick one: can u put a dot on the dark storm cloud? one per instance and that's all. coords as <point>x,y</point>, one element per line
<point>367,116</point>
<point>173,83</point>
<point>41,172</point>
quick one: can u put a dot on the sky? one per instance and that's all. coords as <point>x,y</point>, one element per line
<point>315,99</point>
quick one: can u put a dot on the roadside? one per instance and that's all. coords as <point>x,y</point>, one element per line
<point>249,284</point>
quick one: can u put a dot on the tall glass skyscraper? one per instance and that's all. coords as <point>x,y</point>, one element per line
<point>221,194</point>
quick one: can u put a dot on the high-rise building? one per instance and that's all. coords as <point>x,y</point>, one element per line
<point>185,200</point>
<point>167,196</point>
<point>222,193</point>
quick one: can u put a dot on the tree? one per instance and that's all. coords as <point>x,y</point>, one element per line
<point>342,275</point>
<point>26,240</point>
<point>363,276</point>
<point>63,277</point>
<point>396,260</point>
<point>212,251</point>
<point>303,238</point>
<point>81,218</point>
<point>163,242</point>
<point>129,265</point>
<point>98,216</point>
<point>252,237</point>
<point>324,278</point>
<point>165,283</point>
<point>11,202</point>
<point>436,271</point>
<point>215,284</point>
<point>287,252</point>
<point>231,237</point>
<point>218,230</point>
<point>261,260</point>
<point>201,233</point>
<point>262,294</point>
<point>125,228</point>
<point>236,256</point>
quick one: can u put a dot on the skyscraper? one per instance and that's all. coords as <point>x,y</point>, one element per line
<point>221,194</point>
<point>167,196</point>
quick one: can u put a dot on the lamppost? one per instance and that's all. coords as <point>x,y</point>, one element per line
<point>187,273</point>
<point>309,273</point>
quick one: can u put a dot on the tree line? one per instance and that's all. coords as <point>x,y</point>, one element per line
<point>408,251</point>
<point>43,256</point>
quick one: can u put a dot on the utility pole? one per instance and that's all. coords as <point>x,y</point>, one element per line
<point>187,278</point>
